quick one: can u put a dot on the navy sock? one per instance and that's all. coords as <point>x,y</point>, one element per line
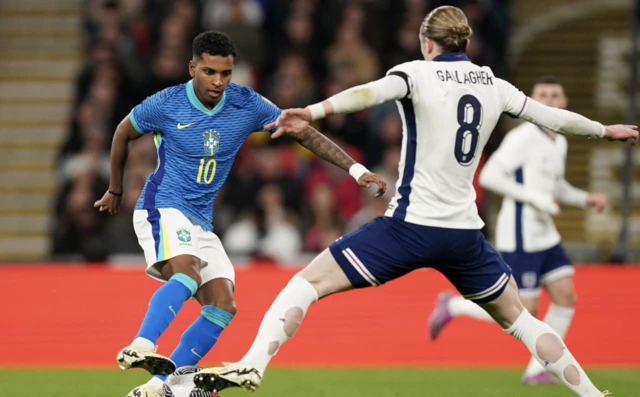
<point>200,337</point>
<point>165,305</point>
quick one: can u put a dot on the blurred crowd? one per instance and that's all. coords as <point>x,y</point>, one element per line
<point>279,200</point>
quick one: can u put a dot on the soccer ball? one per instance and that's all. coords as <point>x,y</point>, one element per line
<point>180,384</point>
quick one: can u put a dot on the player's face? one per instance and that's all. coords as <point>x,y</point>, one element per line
<point>550,95</point>
<point>211,76</point>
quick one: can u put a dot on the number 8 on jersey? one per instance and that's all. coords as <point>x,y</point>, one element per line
<point>467,135</point>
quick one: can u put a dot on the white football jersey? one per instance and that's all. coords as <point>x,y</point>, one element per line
<point>535,159</point>
<point>448,116</point>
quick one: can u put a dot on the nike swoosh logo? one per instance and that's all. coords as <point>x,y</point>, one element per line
<point>181,126</point>
<point>172,311</point>
<point>196,354</point>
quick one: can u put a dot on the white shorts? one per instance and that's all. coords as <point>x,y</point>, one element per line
<point>166,233</point>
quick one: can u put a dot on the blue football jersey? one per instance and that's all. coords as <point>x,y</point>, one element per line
<point>196,146</point>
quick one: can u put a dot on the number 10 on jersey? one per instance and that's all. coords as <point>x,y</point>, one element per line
<point>206,171</point>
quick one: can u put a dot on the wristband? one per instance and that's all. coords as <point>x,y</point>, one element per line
<point>115,194</point>
<point>357,170</point>
<point>317,111</point>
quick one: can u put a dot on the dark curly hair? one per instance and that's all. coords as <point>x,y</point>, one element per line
<point>213,43</point>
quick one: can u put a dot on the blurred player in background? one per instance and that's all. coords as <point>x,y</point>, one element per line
<point>449,108</point>
<point>528,170</point>
<point>198,129</point>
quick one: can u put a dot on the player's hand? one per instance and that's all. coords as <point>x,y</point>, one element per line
<point>597,201</point>
<point>291,121</point>
<point>621,132</point>
<point>368,178</point>
<point>109,202</point>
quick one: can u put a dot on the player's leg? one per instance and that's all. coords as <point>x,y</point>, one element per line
<point>541,340</point>
<point>215,295</point>
<point>525,270</point>
<point>557,278</point>
<point>449,306</point>
<point>481,274</point>
<point>170,261</point>
<point>339,268</point>
<point>322,277</point>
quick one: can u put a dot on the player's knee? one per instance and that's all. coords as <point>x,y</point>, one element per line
<point>566,298</point>
<point>218,293</point>
<point>228,306</point>
<point>183,264</point>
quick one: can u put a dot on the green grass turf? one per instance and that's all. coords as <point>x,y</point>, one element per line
<point>321,382</point>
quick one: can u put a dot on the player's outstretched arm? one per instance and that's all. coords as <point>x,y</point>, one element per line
<point>559,120</point>
<point>327,150</point>
<point>570,123</point>
<point>495,177</point>
<point>112,199</point>
<point>295,121</point>
<point>571,195</point>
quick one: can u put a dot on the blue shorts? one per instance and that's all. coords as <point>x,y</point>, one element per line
<point>389,248</point>
<point>532,269</point>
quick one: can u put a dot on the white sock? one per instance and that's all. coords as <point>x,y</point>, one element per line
<point>458,306</point>
<point>547,346</point>
<point>143,343</point>
<point>156,382</point>
<point>558,318</point>
<point>280,322</point>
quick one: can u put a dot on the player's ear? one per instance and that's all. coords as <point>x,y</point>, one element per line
<point>430,45</point>
<point>192,68</point>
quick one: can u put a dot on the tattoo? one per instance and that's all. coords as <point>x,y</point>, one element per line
<point>324,148</point>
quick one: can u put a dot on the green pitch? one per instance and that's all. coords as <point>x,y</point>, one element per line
<point>321,383</point>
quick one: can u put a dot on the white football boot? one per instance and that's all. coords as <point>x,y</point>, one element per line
<point>230,375</point>
<point>141,357</point>
<point>146,390</point>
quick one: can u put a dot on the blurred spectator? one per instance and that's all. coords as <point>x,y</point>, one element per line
<point>325,217</point>
<point>266,232</point>
<point>291,85</point>
<point>350,51</point>
<point>79,227</point>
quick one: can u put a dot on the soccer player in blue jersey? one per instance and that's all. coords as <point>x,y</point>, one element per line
<point>449,108</point>
<point>198,129</point>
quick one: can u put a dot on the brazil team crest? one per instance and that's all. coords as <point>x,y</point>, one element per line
<point>184,235</point>
<point>211,140</point>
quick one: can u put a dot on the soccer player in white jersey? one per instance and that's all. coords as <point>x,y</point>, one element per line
<point>449,107</point>
<point>528,170</point>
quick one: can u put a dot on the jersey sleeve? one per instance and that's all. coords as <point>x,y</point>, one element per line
<point>512,152</point>
<point>265,112</point>
<point>512,99</point>
<point>499,171</point>
<point>569,194</point>
<point>148,115</point>
<point>405,71</point>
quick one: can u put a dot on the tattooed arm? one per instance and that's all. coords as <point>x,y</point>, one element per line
<point>324,148</point>
<point>327,150</point>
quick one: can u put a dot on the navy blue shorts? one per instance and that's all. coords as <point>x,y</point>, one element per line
<point>533,269</point>
<point>389,248</point>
